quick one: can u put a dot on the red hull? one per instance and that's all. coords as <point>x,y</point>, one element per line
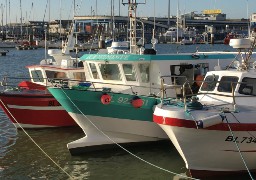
<point>34,110</point>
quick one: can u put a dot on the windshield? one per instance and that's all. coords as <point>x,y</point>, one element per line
<point>209,83</point>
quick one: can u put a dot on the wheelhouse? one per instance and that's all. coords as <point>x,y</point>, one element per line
<point>234,83</point>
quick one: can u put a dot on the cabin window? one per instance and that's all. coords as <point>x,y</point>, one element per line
<point>248,86</point>
<point>110,72</point>
<point>79,76</point>
<point>129,72</point>
<point>37,76</point>
<point>94,71</point>
<point>209,83</point>
<point>186,71</point>
<point>144,72</point>
<point>55,74</point>
<point>226,82</point>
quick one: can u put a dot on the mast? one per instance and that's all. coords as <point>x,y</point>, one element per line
<point>177,25</point>
<point>112,19</point>
<point>153,38</point>
<point>21,21</point>
<point>169,13</point>
<point>133,24</point>
<point>6,12</point>
<point>249,33</point>
<point>60,25</point>
<point>9,11</point>
<point>2,20</point>
<point>132,7</point>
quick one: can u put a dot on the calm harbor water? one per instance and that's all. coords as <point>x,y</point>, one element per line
<point>20,158</point>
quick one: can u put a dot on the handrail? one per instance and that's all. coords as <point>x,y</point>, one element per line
<point>68,83</point>
<point>185,96</point>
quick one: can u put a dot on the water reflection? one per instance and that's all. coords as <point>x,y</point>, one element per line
<point>8,135</point>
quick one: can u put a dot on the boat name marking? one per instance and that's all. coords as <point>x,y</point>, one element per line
<point>54,103</point>
<point>121,57</point>
<point>123,100</point>
<point>241,139</point>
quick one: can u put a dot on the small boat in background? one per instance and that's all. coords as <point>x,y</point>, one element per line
<point>214,131</point>
<point>228,37</point>
<point>8,44</point>
<point>3,52</point>
<point>117,47</point>
<point>27,45</point>
<point>27,102</point>
<point>186,42</point>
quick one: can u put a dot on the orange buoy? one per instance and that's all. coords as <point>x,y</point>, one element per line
<point>199,79</point>
<point>137,102</point>
<point>105,99</point>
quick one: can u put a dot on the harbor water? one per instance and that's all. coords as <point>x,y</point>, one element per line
<point>43,153</point>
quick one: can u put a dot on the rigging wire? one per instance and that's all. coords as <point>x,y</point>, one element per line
<point>240,122</point>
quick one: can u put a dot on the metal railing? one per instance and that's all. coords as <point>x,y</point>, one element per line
<point>186,97</point>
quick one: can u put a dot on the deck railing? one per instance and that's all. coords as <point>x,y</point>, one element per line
<point>186,97</point>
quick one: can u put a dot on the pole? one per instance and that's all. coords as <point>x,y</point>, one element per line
<point>177,25</point>
<point>119,7</point>
<point>113,21</point>
<point>60,25</point>
<point>169,13</point>
<point>49,19</point>
<point>6,12</point>
<point>154,25</point>
<point>74,11</point>
<point>248,20</point>
<point>21,21</point>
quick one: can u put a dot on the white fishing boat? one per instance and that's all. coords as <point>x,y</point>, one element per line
<point>116,104</point>
<point>215,131</point>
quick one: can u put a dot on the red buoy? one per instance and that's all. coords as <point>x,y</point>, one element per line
<point>105,99</point>
<point>137,102</point>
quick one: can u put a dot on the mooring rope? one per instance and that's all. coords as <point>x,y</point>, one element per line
<point>36,143</point>
<point>240,123</point>
<point>143,160</point>
<point>232,134</point>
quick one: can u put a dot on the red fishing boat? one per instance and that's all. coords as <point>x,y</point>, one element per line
<point>29,104</point>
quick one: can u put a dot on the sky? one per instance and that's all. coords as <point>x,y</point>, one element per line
<point>13,10</point>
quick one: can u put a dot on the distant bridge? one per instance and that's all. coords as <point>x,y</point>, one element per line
<point>161,24</point>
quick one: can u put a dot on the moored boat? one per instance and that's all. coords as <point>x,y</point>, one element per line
<point>117,106</point>
<point>214,131</point>
<point>3,52</point>
<point>29,104</point>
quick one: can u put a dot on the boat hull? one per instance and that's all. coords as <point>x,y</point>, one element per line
<point>212,150</point>
<point>34,110</point>
<point>119,120</point>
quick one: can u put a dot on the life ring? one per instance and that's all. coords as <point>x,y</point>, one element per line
<point>199,79</point>
<point>195,56</point>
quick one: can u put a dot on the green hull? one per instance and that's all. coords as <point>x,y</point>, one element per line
<point>89,103</point>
